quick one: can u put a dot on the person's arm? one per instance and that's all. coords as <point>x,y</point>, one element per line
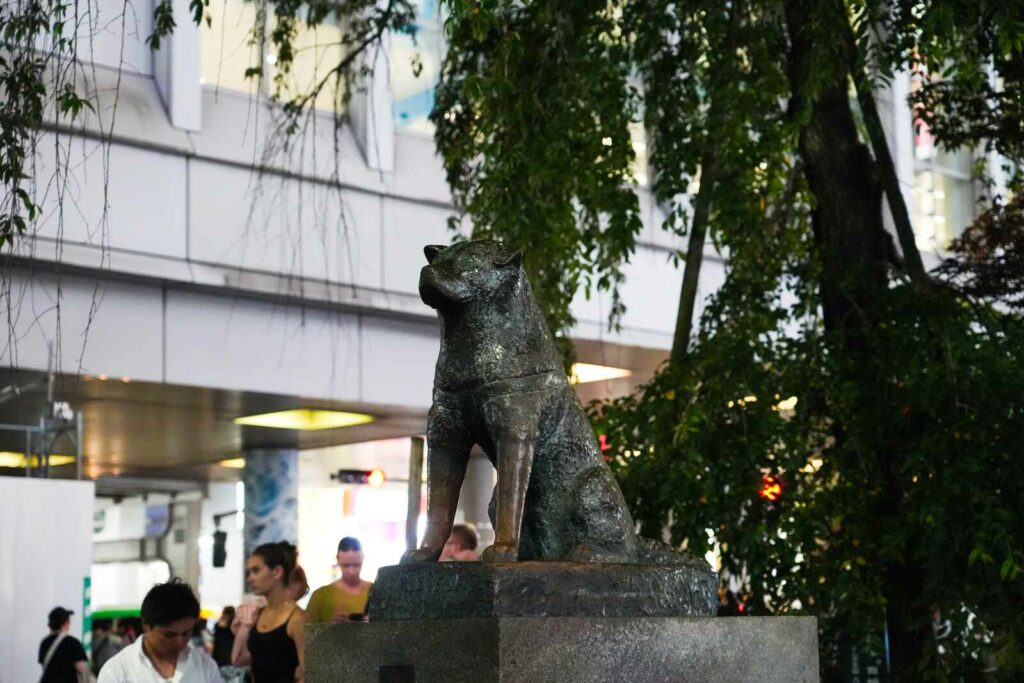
<point>81,662</point>
<point>297,632</point>
<point>240,648</point>
<point>366,599</point>
<point>245,618</point>
<point>314,608</point>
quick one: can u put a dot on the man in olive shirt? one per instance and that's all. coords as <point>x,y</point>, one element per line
<point>61,655</point>
<point>346,598</point>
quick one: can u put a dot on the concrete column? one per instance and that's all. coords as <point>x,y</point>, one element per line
<point>176,70</point>
<point>897,121</point>
<point>271,480</point>
<point>371,112</point>
<point>901,142</point>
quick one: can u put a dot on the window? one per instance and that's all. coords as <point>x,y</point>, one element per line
<point>639,168</point>
<point>423,45</point>
<point>944,199</point>
<point>317,51</point>
<point>225,49</point>
<point>227,52</point>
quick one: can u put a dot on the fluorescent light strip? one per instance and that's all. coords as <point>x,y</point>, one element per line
<point>305,419</point>
<point>12,459</point>
<point>582,373</point>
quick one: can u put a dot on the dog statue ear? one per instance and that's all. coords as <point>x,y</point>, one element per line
<point>515,260</point>
<point>432,251</point>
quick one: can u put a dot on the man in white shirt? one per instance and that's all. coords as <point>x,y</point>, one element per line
<point>164,653</point>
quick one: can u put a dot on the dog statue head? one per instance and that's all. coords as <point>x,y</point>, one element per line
<point>469,272</point>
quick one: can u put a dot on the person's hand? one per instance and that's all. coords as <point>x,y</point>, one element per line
<point>245,616</point>
<point>339,617</point>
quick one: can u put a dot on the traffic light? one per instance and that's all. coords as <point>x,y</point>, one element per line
<point>771,488</point>
<point>373,478</point>
<point>220,550</point>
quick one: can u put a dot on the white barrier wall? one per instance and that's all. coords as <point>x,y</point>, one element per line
<point>221,586</point>
<point>45,559</point>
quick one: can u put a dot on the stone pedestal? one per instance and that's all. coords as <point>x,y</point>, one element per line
<point>576,649</point>
<point>460,590</point>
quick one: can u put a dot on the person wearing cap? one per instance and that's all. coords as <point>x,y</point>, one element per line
<point>164,652</point>
<point>61,655</point>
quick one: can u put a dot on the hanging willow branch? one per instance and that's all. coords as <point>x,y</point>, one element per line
<point>38,67</point>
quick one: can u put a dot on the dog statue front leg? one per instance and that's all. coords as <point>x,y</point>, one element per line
<point>448,449</point>
<point>515,460</point>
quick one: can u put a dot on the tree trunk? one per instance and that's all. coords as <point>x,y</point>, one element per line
<point>853,247</point>
<point>702,204</point>
<point>694,259</point>
<point>847,217</point>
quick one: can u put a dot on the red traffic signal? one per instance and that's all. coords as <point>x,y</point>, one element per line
<point>771,488</point>
<point>374,478</point>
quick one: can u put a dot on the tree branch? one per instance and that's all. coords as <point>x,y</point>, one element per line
<point>912,262</point>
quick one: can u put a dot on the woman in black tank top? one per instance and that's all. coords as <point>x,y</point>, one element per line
<point>271,643</point>
<point>274,655</point>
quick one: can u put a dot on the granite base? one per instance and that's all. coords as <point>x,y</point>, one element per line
<point>462,590</point>
<point>577,649</point>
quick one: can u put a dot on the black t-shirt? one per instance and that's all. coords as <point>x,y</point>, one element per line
<point>223,641</point>
<point>62,664</point>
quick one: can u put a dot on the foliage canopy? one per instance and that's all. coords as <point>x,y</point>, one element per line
<point>897,465</point>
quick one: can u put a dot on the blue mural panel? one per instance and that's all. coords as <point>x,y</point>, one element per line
<point>271,480</point>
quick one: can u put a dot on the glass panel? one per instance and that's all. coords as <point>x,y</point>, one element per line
<point>943,208</point>
<point>317,52</point>
<point>958,205</point>
<point>924,209</point>
<point>225,52</point>
<point>638,135</point>
<point>414,94</point>
<point>957,161</point>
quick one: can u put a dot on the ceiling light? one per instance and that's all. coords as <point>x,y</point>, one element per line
<point>583,373</point>
<point>305,419</point>
<point>12,459</point>
<point>233,463</point>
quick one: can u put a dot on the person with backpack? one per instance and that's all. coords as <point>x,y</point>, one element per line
<point>61,655</point>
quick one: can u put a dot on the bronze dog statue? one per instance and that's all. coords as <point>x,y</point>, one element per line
<point>500,384</point>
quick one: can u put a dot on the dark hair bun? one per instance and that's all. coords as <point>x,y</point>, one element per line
<point>290,555</point>
<point>281,554</point>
